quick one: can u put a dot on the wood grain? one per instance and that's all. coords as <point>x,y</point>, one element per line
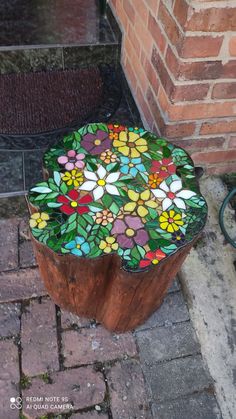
<point>100,289</point>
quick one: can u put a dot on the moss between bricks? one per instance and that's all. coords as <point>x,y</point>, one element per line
<point>46,378</point>
<point>25,382</point>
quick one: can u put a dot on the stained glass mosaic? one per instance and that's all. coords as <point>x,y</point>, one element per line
<point>117,189</point>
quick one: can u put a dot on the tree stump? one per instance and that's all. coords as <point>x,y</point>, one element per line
<point>113,222</point>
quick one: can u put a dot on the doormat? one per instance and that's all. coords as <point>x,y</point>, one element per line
<point>33,103</point>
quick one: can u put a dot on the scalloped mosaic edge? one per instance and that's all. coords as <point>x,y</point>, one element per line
<point>118,189</point>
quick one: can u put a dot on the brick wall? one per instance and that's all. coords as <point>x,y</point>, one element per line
<point>179,57</point>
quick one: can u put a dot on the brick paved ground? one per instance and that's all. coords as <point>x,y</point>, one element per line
<point>76,369</point>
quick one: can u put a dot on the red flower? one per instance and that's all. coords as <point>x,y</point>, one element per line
<point>73,203</point>
<point>152,257</point>
<point>116,127</point>
<point>163,167</point>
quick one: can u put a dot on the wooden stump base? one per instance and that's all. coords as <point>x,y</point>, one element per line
<point>100,289</point>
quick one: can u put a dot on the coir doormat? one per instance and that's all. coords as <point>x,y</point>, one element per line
<point>39,102</point>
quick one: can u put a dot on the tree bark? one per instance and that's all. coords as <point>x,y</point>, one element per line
<point>100,289</point>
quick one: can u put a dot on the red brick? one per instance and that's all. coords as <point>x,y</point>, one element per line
<point>122,15</point>
<point>212,19</point>
<point>232,46</point>
<point>128,8</point>
<point>201,46</point>
<point>144,107</point>
<point>179,130</point>
<point>181,9</point>
<point>141,75</point>
<point>220,169</point>
<point>189,92</point>
<point>163,101</point>
<point>130,74</point>
<point>220,127</point>
<point>172,62</point>
<point>9,378</point>
<point>127,391</point>
<point>224,91</point>
<point>229,70</point>
<point>134,41</point>
<point>151,75</point>
<point>89,345</point>
<point>200,111</point>
<point>22,284</point>
<point>162,72</point>
<point>83,386</point>
<point>9,320</point>
<point>39,338</point>
<point>9,246</point>
<point>170,27</point>
<point>214,156</point>
<point>201,70</point>
<point>153,6</point>
<point>152,102</point>
<point>143,35</point>
<point>156,33</point>
<point>232,142</point>
<point>142,10</point>
<point>197,144</point>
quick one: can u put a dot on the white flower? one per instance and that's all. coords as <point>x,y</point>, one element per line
<point>99,182</point>
<point>170,194</point>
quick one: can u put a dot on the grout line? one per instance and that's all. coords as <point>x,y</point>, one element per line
<point>59,338</point>
<point>160,326</point>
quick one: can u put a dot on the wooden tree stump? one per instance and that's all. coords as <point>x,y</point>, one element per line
<point>113,222</point>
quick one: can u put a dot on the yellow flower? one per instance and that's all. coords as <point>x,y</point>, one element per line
<point>130,144</point>
<point>75,177</point>
<point>108,157</point>
<point>170,221</point>
<point>108,245</point>
<point>140,202</point>
<point>38,220</point>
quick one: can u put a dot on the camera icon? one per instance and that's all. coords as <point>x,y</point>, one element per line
<point>15,403</point>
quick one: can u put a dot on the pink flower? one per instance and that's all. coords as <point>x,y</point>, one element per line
<point>72,160</point>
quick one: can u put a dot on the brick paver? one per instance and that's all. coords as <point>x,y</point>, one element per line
<point>199,406</point>
<point>26,253</point>
<point>173,310</point>
<point>174,286</point>
<point>20,285</point>
<point>127,391</point>
<point>156,372</point>
<point>80,387</point>
<point>9,320</point>
<point>89,415</point>
<point>69,320</point>
<point>177,378</point>
<point>9,378</point>
<point>9,244</point>
<point>164,343</point>
<point>93,344</point>
<point>39,338</point>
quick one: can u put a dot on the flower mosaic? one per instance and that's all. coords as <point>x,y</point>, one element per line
<point>116,189</point>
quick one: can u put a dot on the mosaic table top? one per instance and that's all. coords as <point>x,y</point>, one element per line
<point>117,189</point>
